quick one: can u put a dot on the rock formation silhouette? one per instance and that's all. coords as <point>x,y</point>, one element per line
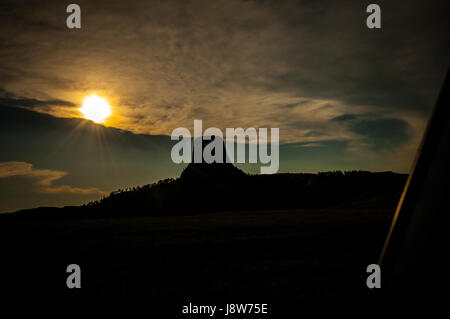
<point>203,171</point>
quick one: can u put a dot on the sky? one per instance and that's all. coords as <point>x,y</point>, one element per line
<point>343,96</point>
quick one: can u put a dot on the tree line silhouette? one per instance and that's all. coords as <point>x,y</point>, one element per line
<point>205,188</point>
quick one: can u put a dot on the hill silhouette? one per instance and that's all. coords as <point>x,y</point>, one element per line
<point>206,188</point>
<point>191,195</point>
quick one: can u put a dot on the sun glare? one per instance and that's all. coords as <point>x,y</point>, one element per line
<point>95,108</point>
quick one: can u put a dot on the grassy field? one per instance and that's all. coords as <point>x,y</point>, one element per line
<point>252,256</point>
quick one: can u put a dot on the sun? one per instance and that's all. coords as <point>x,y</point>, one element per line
<point>95,108</point>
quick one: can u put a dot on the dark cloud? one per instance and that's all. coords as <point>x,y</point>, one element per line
<point>32,103</point>
<point>314,134</point>
<point>345,117</point>
<point>338,57</point>
<point>293,105</point>
<point>383,134</point>
<point>380,134</point>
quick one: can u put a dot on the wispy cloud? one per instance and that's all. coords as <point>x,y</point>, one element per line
<point>43,179</point>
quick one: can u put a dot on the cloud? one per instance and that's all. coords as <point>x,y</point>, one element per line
<point>43,178</point>
<point>383,134</point>
<point>345,117</point>
<point>310,145</point>
<point>294,65</point>
<point>32,103</point>
<point>377,132</point>
<point>10,99</point>
<point>52,106</point>
<point>212,59</point>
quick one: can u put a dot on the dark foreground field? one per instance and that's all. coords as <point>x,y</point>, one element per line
<point>257,256</point>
